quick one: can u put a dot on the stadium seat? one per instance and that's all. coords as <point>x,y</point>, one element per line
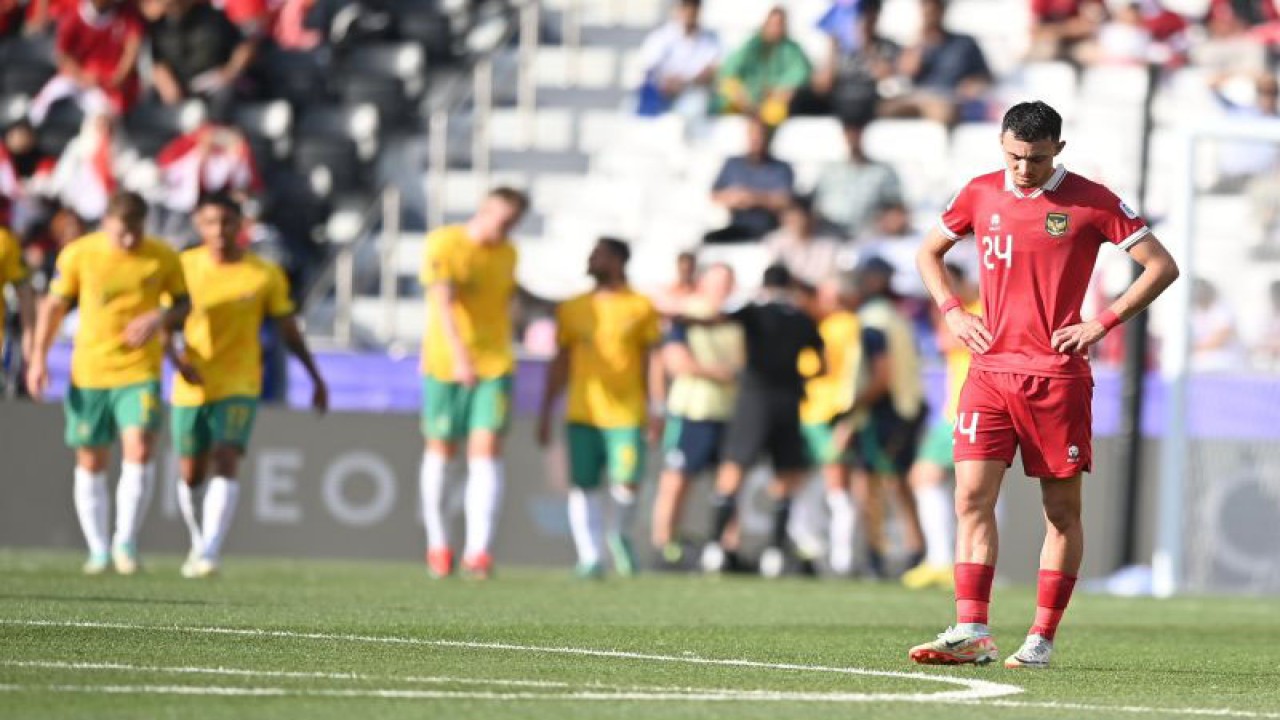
<point>297,77</point>
<point>268,126</point>
<point>421,21</point>
<point>809,140</point>
<point>151,126</point>
<point>13,108</point>
<point>358,124</point>
<point>405,61</point>
<point>60,126</point>
<point>385,94</point>
<point>913,147</point>
<point>331,165</point>
<point>552,131</point>
<point>1053,82</point>
<point>25,78</point>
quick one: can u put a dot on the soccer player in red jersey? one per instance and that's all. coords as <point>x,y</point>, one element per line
<point>1039,228</point>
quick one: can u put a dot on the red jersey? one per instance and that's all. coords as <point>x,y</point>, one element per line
<point>1037,252</point>
<point>96,41</point>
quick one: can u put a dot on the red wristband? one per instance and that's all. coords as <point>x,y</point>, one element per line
<point>1108,319</point>
<point>949,304</point>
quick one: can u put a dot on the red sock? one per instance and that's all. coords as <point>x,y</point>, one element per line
<point>1054,594</point>
<point>973,592</point>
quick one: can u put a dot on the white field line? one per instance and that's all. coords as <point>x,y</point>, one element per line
<point>972,689</point>
<point>979,692</point>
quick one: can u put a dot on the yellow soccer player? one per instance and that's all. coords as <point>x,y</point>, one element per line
<point>14,272</point>
<point>215,397</point>
<point>467,363</point>
<point>605,339</point>
<point>117,276</point>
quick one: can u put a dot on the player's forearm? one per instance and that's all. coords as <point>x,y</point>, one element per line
<point>27,317</point>
<point>557,379</point>
<point>657,381</point>
<point>47,323</point>
<point>932,267</point>
<point>297,346</point>
<point>240,59</point>
<point>1158,273</point>
<point>175,316</point>
<point>128,61</point>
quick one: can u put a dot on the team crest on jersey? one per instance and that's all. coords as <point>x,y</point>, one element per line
<point>1073,454</point>
<point>1056,224</point>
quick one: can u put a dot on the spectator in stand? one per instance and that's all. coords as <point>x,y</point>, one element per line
<point>1215,343</point>
<point>87,173</point>
<point>1253,167</point>
<point>754,188</point>
<point>1058,27</point>
<point>197,51</point>
<point>97,52</point>
<point>1237,32</point>
<point>290,30</point>
<point>948,72</point>
<point>1268,351</point>
<point>810,258</point>
<point>680,60</point>
<point>672,299</point>
<point>41,252</point>
<point>896,242</point>
<point>847,84</point>
<point>21,163</point>
<point>1138,32</point>
<point>253,17</point>
<point>850,192</point>
<point>213,159</point>
<point>762,76</point>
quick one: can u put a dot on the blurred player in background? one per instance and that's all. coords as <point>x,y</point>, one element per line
<point>605,357</point>
<point>13,271</point>
<point>766,417</point>
<point>703,364</point>
<point>829,397</point>
<point>928,475</point>
<point>887,442</point>
<point>215,396</point>
<point>117,278</point>
<point>1030,386</point>
<point>467,363</point>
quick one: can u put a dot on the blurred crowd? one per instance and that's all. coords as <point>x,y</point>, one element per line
<point>857,208</point>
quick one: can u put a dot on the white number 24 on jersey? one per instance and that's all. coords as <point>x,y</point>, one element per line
<point>997,249</point>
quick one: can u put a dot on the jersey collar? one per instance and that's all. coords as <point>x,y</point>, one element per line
<point>1052,184</point>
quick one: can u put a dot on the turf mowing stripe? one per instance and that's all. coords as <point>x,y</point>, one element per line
<point>974,689</point>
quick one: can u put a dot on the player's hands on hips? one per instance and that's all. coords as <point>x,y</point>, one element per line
<point>544,431</point>
<point>37,379</point>
<point>969,329</point>
<point>188,371</point>
<point>1077,338</point>
<point>142,328</point>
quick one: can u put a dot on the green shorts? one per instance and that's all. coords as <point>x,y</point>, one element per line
<point>819,438</point>
<point>593,450</point>
<point>938,447</point>
<point>452,411</point>
<point>96,416</point>
<point>198,428</point>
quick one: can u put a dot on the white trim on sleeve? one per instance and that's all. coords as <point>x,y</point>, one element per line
<point>951,235</point>
<point>1134,238</point>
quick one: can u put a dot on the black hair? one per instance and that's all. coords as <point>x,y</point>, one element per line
<point>1032,121</point>
<point>127,206</point>
<point>777,277</point>
<point>221,200</point>
<point>695,4</point>
<point>870,7</point>
<point>516,198</point>
<point>618,248</point>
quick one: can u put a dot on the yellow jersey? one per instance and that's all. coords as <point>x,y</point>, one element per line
<point>695,398</point>
<point>832,393</point>
<point>958,359</point>
<point>229,302</point>
<point>484,280</point>
<point>608,336</point>
<point>12,268</point>
<point>114,286</point>
<point>906,390</point>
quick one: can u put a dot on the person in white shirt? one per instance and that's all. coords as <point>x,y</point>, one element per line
<point>680,61</point>
<point>1215,343</point>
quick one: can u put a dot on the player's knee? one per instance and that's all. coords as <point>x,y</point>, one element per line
<point>226,461</point>
<point>93,459</point>
<point>1062,516</point>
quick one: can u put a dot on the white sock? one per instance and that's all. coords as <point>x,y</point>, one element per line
<point>484,501</point>
<point>188,497</point>
<point>93,507</point>
<point>431,485</point>
<point>937,520</point>
<point>219,509</point>
<point>624,504</point>
<point>586,521</point>
<point>133,495</point>
<point>842,525</point>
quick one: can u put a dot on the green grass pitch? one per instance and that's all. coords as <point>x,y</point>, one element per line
<point>358,641</point>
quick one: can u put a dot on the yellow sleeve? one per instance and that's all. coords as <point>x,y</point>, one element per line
<point>279,303</point>
<point>66,276</point>
<point>12,267</point>
<point>436,265</point>
<point>564,331</point>
<point>651,331</point>
<point>175,282</point>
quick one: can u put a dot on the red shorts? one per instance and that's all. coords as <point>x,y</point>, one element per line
<point>1050,419</point>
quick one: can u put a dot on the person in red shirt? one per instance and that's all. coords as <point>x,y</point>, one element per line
<point>1058,27</point>
<point>97,49</point>
<point>1038,229</point>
